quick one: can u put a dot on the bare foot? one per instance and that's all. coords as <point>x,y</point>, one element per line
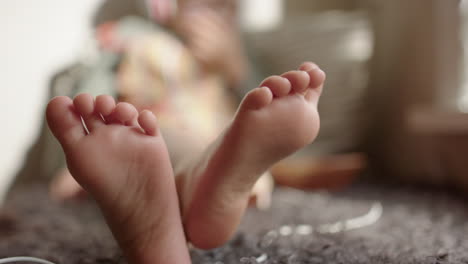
<point>64,187</point>
<point>122,161</point>
<point>272,122</point>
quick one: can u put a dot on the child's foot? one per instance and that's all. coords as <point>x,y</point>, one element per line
<point>122,161</point>
<point>272,122</point>
<point>64,187</point>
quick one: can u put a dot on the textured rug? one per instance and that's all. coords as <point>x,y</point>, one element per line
<point>363,224</point>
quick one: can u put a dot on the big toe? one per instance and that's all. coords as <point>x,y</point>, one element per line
<point>317,79</point>
<point>64,123</point>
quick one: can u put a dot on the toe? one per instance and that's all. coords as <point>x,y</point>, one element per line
<point>84,105</point>
<point>299,80</point>
<point>64,123</point>
<point>126,114</point>
<point>257,98</point>
<point>312,95</point>
<point>148,122</point>
<point>317,79</point>
<point>278,85</point>
<point>317,76</point>
<point>307,66</point>
<point>105,105</point>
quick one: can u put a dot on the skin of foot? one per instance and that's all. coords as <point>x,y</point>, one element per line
<point>272,122</point>
<point>284,108</point>
<point>120,158</point>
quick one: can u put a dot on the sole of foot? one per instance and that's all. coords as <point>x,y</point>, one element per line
<point>272,122</point>
<point>120,158</point>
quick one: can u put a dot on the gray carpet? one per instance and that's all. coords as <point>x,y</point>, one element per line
<point>416,226</point>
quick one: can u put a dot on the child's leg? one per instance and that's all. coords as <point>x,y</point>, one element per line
<point>123,163</point>
<point>272,122</point>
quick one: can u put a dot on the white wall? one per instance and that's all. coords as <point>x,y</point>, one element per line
<point>36,38</point>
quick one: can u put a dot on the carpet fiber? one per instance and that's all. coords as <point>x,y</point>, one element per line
<point>416,226</point>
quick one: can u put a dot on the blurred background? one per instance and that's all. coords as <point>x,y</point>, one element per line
<point>37,39</point>
<point>394,104</point>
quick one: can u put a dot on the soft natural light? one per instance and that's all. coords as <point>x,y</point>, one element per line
<point>38,37</point>
<point>261,15</point>
<point>463,101</point>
